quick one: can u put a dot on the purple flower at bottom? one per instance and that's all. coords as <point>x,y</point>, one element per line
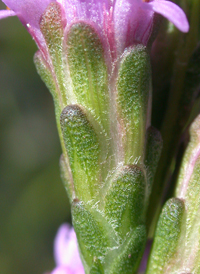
<point>63,270</point>
<point>66,252</point>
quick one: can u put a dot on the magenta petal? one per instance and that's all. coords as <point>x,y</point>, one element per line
<point>90,11</point>
<point>63,270</point>
<point>28,11</point>
<point>133,21</point>
<point>66,249</point>
<point>172,12</point>
<point>6,13</point>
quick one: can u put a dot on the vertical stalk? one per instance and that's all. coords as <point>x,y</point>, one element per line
<point>172,126</point>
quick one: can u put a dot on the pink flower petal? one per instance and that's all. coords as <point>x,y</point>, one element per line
<point>133,21</point>
<point>89,10</point>
<point>66,249</point>
<point>6,13</point>
<point>63,270</point>
<point>172,12</point>
<point>29,12</point>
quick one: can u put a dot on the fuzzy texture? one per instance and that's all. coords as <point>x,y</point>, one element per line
<point>113,26</point>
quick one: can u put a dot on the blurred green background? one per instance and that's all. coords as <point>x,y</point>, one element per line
<point>33,201</point>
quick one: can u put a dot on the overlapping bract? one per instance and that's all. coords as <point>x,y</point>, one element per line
<point>103,117</point>
<point>176,247</point>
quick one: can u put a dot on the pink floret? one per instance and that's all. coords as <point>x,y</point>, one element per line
<point>66,252</point>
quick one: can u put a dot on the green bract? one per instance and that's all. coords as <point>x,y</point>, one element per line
<point>176,247</point>
<point>103,116</point>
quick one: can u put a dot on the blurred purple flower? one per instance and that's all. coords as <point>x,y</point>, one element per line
<point>66,252</point>
<point>121,22</point>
